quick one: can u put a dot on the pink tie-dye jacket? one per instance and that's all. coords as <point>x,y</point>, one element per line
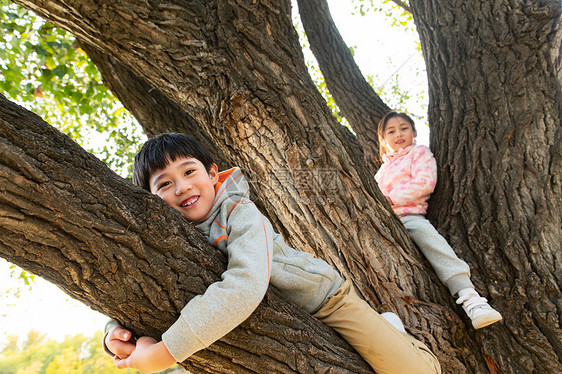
<point>408,177</point>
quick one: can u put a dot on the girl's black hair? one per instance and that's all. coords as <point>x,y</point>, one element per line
<point>159,151</point>
<point>382,126</point>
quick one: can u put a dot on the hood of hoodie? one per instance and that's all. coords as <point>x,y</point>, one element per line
<point>231,183</point>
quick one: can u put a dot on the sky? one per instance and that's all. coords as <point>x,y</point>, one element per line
<point>380,50</point>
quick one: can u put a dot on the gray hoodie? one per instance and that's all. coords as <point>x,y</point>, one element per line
<point>257,256</point>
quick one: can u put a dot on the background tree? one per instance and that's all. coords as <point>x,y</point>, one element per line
<point>74,355</point>
<point>237,69</point>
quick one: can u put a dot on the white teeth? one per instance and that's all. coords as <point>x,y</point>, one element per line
<point>190,203</point>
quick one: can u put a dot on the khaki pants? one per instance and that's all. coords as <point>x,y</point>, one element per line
<point>386,349</point>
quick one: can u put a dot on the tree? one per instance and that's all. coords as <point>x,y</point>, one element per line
<point>76,354</point>
<point>236,69</point>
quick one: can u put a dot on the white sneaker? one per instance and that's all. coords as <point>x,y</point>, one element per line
<point>394,320</point>
<point>478,310</point>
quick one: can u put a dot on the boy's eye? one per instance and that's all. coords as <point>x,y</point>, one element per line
<point>162,185</point>
<point>188,172</point>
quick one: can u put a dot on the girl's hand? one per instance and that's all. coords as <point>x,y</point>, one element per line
<point>149,356</point>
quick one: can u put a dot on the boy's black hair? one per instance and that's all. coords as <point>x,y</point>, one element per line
<point>382,127</point>
<point>159,151</point>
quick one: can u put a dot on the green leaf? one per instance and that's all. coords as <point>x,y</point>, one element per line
<point>77,96</point>
<point>47,74</point>
<point>60,71</point>
<point>40,50</point>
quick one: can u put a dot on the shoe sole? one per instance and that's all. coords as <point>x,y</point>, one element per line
<point>478,324</point>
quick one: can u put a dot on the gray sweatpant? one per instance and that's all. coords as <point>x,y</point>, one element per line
<point>450,269</point>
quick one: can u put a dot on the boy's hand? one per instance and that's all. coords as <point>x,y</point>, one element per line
<point>148,356</point>
<point>117,342</point>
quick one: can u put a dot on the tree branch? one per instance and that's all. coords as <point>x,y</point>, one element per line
<point>343,77</point>
<point>403,5</point>
<point>155,112</point>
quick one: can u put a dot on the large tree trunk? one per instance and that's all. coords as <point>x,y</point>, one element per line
<point>119,249</point>
<point>495,112</point>
<point>237,69</point>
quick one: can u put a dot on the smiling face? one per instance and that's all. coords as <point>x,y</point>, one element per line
<point>398,133</point>
<point>185,185</point>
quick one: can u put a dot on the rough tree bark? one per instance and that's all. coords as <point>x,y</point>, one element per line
<point>494,73</point>
<point>236,68</point>
<point>66,216</point>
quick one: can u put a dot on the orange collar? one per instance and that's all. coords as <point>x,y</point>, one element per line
<point>223,175</point>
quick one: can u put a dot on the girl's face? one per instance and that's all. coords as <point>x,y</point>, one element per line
<point>398,133</point>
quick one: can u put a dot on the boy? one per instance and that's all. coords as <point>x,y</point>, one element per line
<point>181,171</point>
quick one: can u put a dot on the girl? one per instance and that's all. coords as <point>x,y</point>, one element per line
<point>407,178</point>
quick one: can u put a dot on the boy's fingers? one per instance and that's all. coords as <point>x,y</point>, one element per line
<point>117,341</point>
<point>121,363</point>
<point>122,349</point>
<point>120,333</point>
